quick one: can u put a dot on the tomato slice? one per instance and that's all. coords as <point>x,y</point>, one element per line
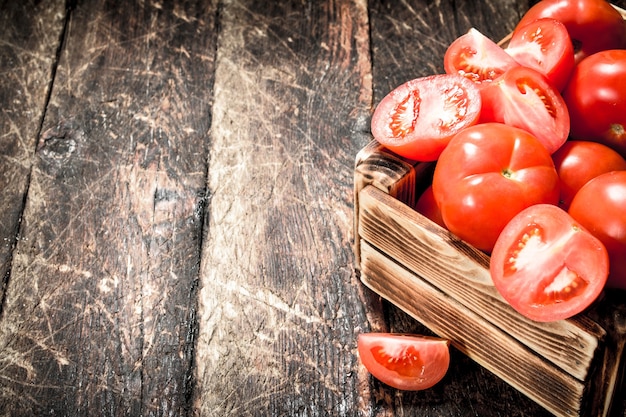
<point>476,57</point>
<point>405,362</point>
<point>545,46</point>
<point>593,25</point>
<point>418,118</point>
<point>547,266</point>
<point>524,98</point>
<point>487,174</point>
<point>600,206</point>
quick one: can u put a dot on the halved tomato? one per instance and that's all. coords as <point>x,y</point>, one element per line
<point>593,25</point>
<point>418,118</point>
<point>406,362</point>
<point>476,57</point>
<point>524,98</point>
<point>547,266</point>
<point>545,46</point>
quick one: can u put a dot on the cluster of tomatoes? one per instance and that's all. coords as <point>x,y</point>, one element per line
<point>529,144</point>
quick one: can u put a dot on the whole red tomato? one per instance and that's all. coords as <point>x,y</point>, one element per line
<point>596,99</point>
<point>487,174</point>
<point>579,161</point>
<point>600,206</point>
<point>593,25</point>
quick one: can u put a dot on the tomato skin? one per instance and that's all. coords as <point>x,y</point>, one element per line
<point>600,206</point>
<point>418,118</point>
<point>487,174</point>
<point>476,57</point>
<point>596,98</point>
<point>405,362</point>
<point>427,206</point>
<point>547,266</point>
<point>524,98</point>
<point>578,162</point>
<point>545,46</point>
<point>593,25</point>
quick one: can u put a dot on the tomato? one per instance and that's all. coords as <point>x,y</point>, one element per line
<point>524,98</point>
<point>596,99</point>
<point>593,25</point>
<point>600,206</point>
<point>476,57</point>
<point>579,161</point>
<point>487,174</point>
<point>405,362</point>
<point>545,46</point>
<point>427,206</point>
<point>418,118</point>
<point>547,266</point>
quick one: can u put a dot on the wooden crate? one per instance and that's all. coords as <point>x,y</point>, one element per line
<point>570,367</point>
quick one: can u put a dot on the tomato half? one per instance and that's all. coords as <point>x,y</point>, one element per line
<point>593,25</point>
<point>596,99</point>
<point>476,57</point>
<point>579,161</point>
<point>524,98</point>
<point>418,118</point>
<point>547,266</point>
<point>487,174</point>
<point>545,46</point>
<point>405,362</point>
<point>600,206</point>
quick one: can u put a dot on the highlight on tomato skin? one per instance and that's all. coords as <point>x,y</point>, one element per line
<point>547,266</point>
<point>403,361</point>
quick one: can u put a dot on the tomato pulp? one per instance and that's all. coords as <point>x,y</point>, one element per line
<point>545,46</point>
<point>524,98</point>
<point>487,174</point>
<point>547,266</point>
<point>476,57</point>
<point>405,362</point>
<point>593,25</point>
<point>600,206</point>
<point>418,118</point>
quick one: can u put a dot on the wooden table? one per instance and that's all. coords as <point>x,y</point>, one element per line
<point>176,207</point>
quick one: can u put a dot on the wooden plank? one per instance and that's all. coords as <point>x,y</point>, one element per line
<point>501,354</point>
<point>279,305</point>
<point>100,309</point>
<point>30,34</point>
<point>414,242</point>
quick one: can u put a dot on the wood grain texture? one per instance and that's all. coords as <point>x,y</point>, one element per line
<point>30,33</point>
<point>279,306</point>
<point>100,307</point>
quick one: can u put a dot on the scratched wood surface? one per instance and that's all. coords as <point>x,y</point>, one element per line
<point>176,215</point>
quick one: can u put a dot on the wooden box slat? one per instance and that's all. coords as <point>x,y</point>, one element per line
<point>445,284</point>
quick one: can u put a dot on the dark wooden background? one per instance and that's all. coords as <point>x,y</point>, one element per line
<point>176,205</point>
